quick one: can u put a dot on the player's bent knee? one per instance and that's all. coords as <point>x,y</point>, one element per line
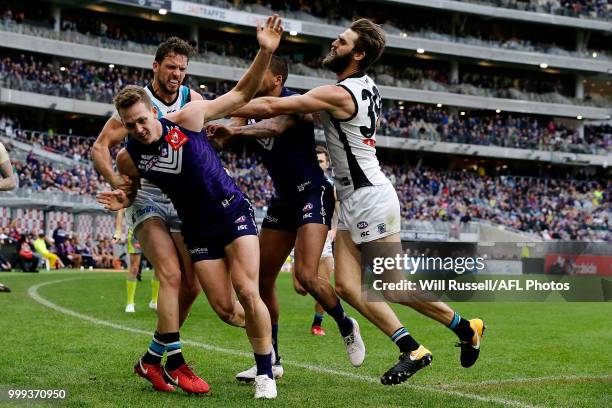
<point>248,297</point>
<point>170,280</point>
<point>347,292</point>
<point>226,312</point>
<point>308,282</point>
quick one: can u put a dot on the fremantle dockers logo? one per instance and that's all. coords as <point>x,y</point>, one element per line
<point>148,164</point>
<point>307,207</point>
<point>168,160</point>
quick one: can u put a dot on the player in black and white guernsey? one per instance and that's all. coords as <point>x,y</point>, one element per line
<point>299,214</point>
<point>155,222</point>
<point>369,207</point>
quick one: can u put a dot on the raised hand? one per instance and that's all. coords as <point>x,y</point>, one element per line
<point>113,200</point>
<point>269,35</point>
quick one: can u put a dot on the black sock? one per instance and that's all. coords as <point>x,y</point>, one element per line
<point>275,342</point>
<point>344,323</point>
<point>461,328</point>
<point>173,351</point>
<point>318,319</point>
<point>404,340</point>
<point>156,350</point>
<point>264,364</point>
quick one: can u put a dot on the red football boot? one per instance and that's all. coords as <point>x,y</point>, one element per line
<point>154,373</point>
<point>187,380</point>
<point>317,331</point>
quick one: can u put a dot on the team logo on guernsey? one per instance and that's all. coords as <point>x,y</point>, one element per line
<point>149,163</point>
<point>176,139</point>
<point>240,219</point>
<point>307,207</point>
<point>362,224</point>
<point>167,161</point>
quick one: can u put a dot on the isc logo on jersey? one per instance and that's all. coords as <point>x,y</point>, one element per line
<point>241,221</point>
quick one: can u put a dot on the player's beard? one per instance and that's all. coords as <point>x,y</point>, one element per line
<point>164,88</point>
<point>337,63</point>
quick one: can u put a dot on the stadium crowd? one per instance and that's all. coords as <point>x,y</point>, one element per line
<point>37,174</point>
<point>424,122</point>
<point>573,8</point>
<point>337,13</point>
<point>82,80</point>
<point>552,208</point>
<point>78,79</point>
<point>72,146</point>
<point>333,12</point>
<point>525,132</point>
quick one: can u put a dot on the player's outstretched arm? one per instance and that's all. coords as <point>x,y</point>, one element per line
<point>267,128</point>
<point>195,114</point>
<point>120,198</point>
<point>331,98</point>
<point>111,135</point>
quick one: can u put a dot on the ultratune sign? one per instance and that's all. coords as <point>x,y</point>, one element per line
<point>153,4</point>
<point>229,16</point>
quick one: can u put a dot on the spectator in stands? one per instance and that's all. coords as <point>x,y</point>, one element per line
<point>40,245</point>
<point>26,258</point>
<point>105,249</point>
<point>85,252</point>
<point>59,234</point>
<point>68,253</point>
<point>15,232</point>
<point>100,256</point>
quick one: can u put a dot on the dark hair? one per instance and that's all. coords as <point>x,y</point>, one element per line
<point>278,66</point>
<point>129,96</point>
<point>323,150</point>
<point>173,45</point>
<point>371,41</point>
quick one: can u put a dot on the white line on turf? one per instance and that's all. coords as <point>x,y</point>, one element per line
<point>33,293</point>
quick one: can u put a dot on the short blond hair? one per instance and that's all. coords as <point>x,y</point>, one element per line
<point>131,95</point>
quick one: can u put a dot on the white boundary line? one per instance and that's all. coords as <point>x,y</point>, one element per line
<point>33,293</point>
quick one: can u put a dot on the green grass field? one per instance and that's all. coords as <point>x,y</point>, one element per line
<point>67,330</point>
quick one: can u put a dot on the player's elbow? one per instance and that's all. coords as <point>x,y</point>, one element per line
<point>12,184</point>
<point>97,148</point>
